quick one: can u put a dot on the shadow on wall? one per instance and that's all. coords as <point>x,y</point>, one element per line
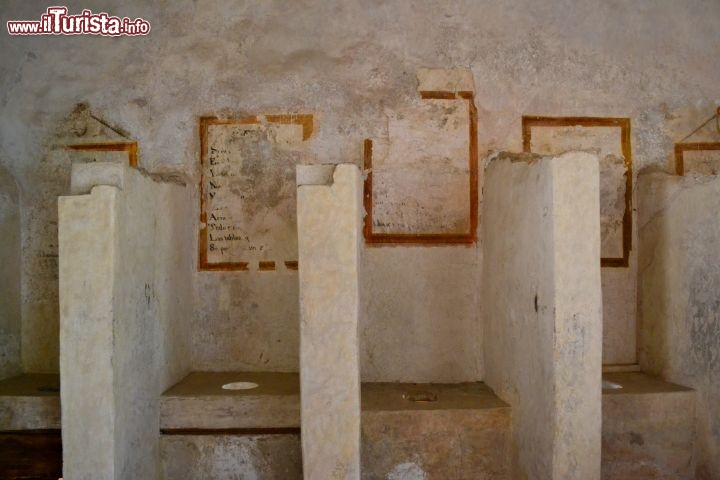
<point>9,275</point>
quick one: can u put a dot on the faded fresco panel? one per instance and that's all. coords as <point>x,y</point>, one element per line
<point>606,143</point>
<point>421,172</point>
<point>248,189</point>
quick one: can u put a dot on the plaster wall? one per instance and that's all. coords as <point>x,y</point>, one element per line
<point>542,305</point>
<point>125,293</point>
<point>349,63</point>
<point>9,276</point>
<point>679,299</point>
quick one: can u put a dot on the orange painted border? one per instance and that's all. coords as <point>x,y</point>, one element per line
<point>373,238</point>
<point>304,120</point>
<point>529,121</point>
<point>681,148</point>
<point>130,147</point>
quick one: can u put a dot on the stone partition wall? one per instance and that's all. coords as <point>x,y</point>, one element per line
<point>330,216</point>
<point>9,276</point>
<point>542,308</point>
<point>125,288</point>
<point>679,296</point>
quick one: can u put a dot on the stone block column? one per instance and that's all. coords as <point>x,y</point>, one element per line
<point>543,309</point>
<point>122,274</point>
<point>88,245</point>
<point>330,215</point>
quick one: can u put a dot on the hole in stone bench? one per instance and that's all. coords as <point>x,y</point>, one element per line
<point>240,386</point>
<point>420,396</point>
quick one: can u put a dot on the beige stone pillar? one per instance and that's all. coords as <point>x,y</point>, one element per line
<point>87,240</point>
<point>124,283</point>
<point>543,311</point>
<point>329,239</point>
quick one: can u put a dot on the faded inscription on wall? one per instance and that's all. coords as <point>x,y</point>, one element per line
<point>248,199</point>
<point>421,183</point>
<point>421,173</point>
<point>605,140</point>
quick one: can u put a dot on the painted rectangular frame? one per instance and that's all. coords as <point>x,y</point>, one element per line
<point>373,238</point>
<point>681,148</point>
<point>530,121</point>
<point>304,120</point>
<point>130,147</point>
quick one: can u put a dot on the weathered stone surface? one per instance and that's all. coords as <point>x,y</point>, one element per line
<point>542,306</point>
<point>329,226</point>
<point>679,292</point>
<point>10,282</point>
<point>199,401</point>
<point>30,402</point>
<point>231,457</point>
<point>463,434</point>
<point>88,229</point>
<point>648,429</point>
<point>125,287</point>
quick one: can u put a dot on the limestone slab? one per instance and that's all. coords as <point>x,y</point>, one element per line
<point>542,309</point>
<point>329,226</point>
<point>87,230</point>
<point>30,402</point>
<point>125,293</point>
<point>200,402</point>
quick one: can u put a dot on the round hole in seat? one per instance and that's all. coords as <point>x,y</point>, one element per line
<point>240,386</point>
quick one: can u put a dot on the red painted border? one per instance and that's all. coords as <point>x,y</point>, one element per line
<point>373,238</point>
<point>624,124</point>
